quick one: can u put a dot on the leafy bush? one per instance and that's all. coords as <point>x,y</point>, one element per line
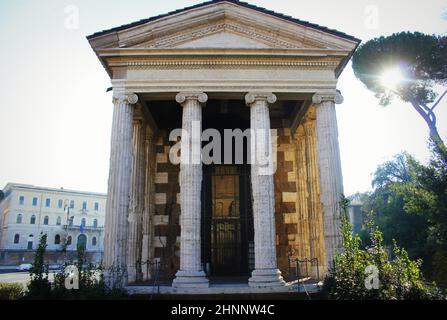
<point>398,279</point>
<point>91,279</point>
<point>409,204</point>
<point>91,282</point>
<point>39,287</point>
<point>11,291</point>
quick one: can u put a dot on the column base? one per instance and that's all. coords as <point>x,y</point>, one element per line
<point>266,278</point>
<point>131,274</point>
<point>190,279</point>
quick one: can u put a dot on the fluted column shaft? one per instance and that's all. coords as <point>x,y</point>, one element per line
<point>266,272</point>
<point>136,203</point>
<point>302,203</point>
<point>331,182</point>
<point>115,240</point>
<point>191,273</point>
<point>316,226</point>
<point>147,226</point>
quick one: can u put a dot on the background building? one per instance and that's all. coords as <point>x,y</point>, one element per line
<point>68,218</point>
<point>355,210</point>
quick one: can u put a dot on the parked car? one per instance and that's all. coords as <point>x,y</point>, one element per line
<point>24,267</point>
<point>57,267</point>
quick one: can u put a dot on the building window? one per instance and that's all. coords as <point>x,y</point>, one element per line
<point>34,201</point>
<point>68,240</point>
<point>72,204</point>
<point>96,206</point>
<point>30,242</point>
<point>21,200</point>
<point>57,239</point>
<point>82,241</point>
<point>71,221</point>
<point>58,221</point>
<point>33,219</point>
<point>16,238</point>
<point>95,223</point>
<point>59,203</point>
<point>19,218</point>
<point>47,202</point>
<point>94,241</point>
<point>46,220</point>
<point>84,205</point>
<point>83,222</point>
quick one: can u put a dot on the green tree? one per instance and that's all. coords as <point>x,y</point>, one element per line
<point>421,62</point>
<point>385,207</point>
<point>426,195</point>
<point>39,286</point>
<point>408,203</point>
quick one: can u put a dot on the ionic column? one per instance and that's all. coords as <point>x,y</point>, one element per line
<point>331,182</point>
<point>136,203</point>
<point>191,274</point>
<point>147,229</point>
<point>115,240</point>
<point>315,215</point>
<point>266,273</point>
<point>302,205</point>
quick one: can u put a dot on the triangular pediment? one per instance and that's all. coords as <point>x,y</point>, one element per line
<point>221,24</point>
<point>219,39</point>
<point>227,35</point>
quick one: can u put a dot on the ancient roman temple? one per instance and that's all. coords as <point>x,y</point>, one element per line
<point>231,67</point>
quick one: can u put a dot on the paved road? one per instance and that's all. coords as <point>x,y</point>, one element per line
<point>18,277</point>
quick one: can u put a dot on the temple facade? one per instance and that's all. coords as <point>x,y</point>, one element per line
<point>231,67</point>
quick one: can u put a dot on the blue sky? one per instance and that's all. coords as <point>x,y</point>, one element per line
<point>55,116</point>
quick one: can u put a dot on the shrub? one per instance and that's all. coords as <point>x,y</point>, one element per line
<point>398,279</point>
<point>91,282</point>
<point>11,291</point>
<point>39,287</point>
<point>91,279</point>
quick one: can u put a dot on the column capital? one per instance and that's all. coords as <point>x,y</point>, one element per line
<point>181,97</point>
<point>131,98</point>
<point>251,97</point>
<point>335,97</point>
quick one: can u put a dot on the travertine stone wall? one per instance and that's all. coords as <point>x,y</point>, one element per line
<point>299,215</point>
<point>166,216</point>
<point>298,209</point>
<point>287,237</point>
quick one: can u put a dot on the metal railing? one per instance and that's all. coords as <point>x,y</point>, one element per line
<point>155,274</point>
<point>297,266</point>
